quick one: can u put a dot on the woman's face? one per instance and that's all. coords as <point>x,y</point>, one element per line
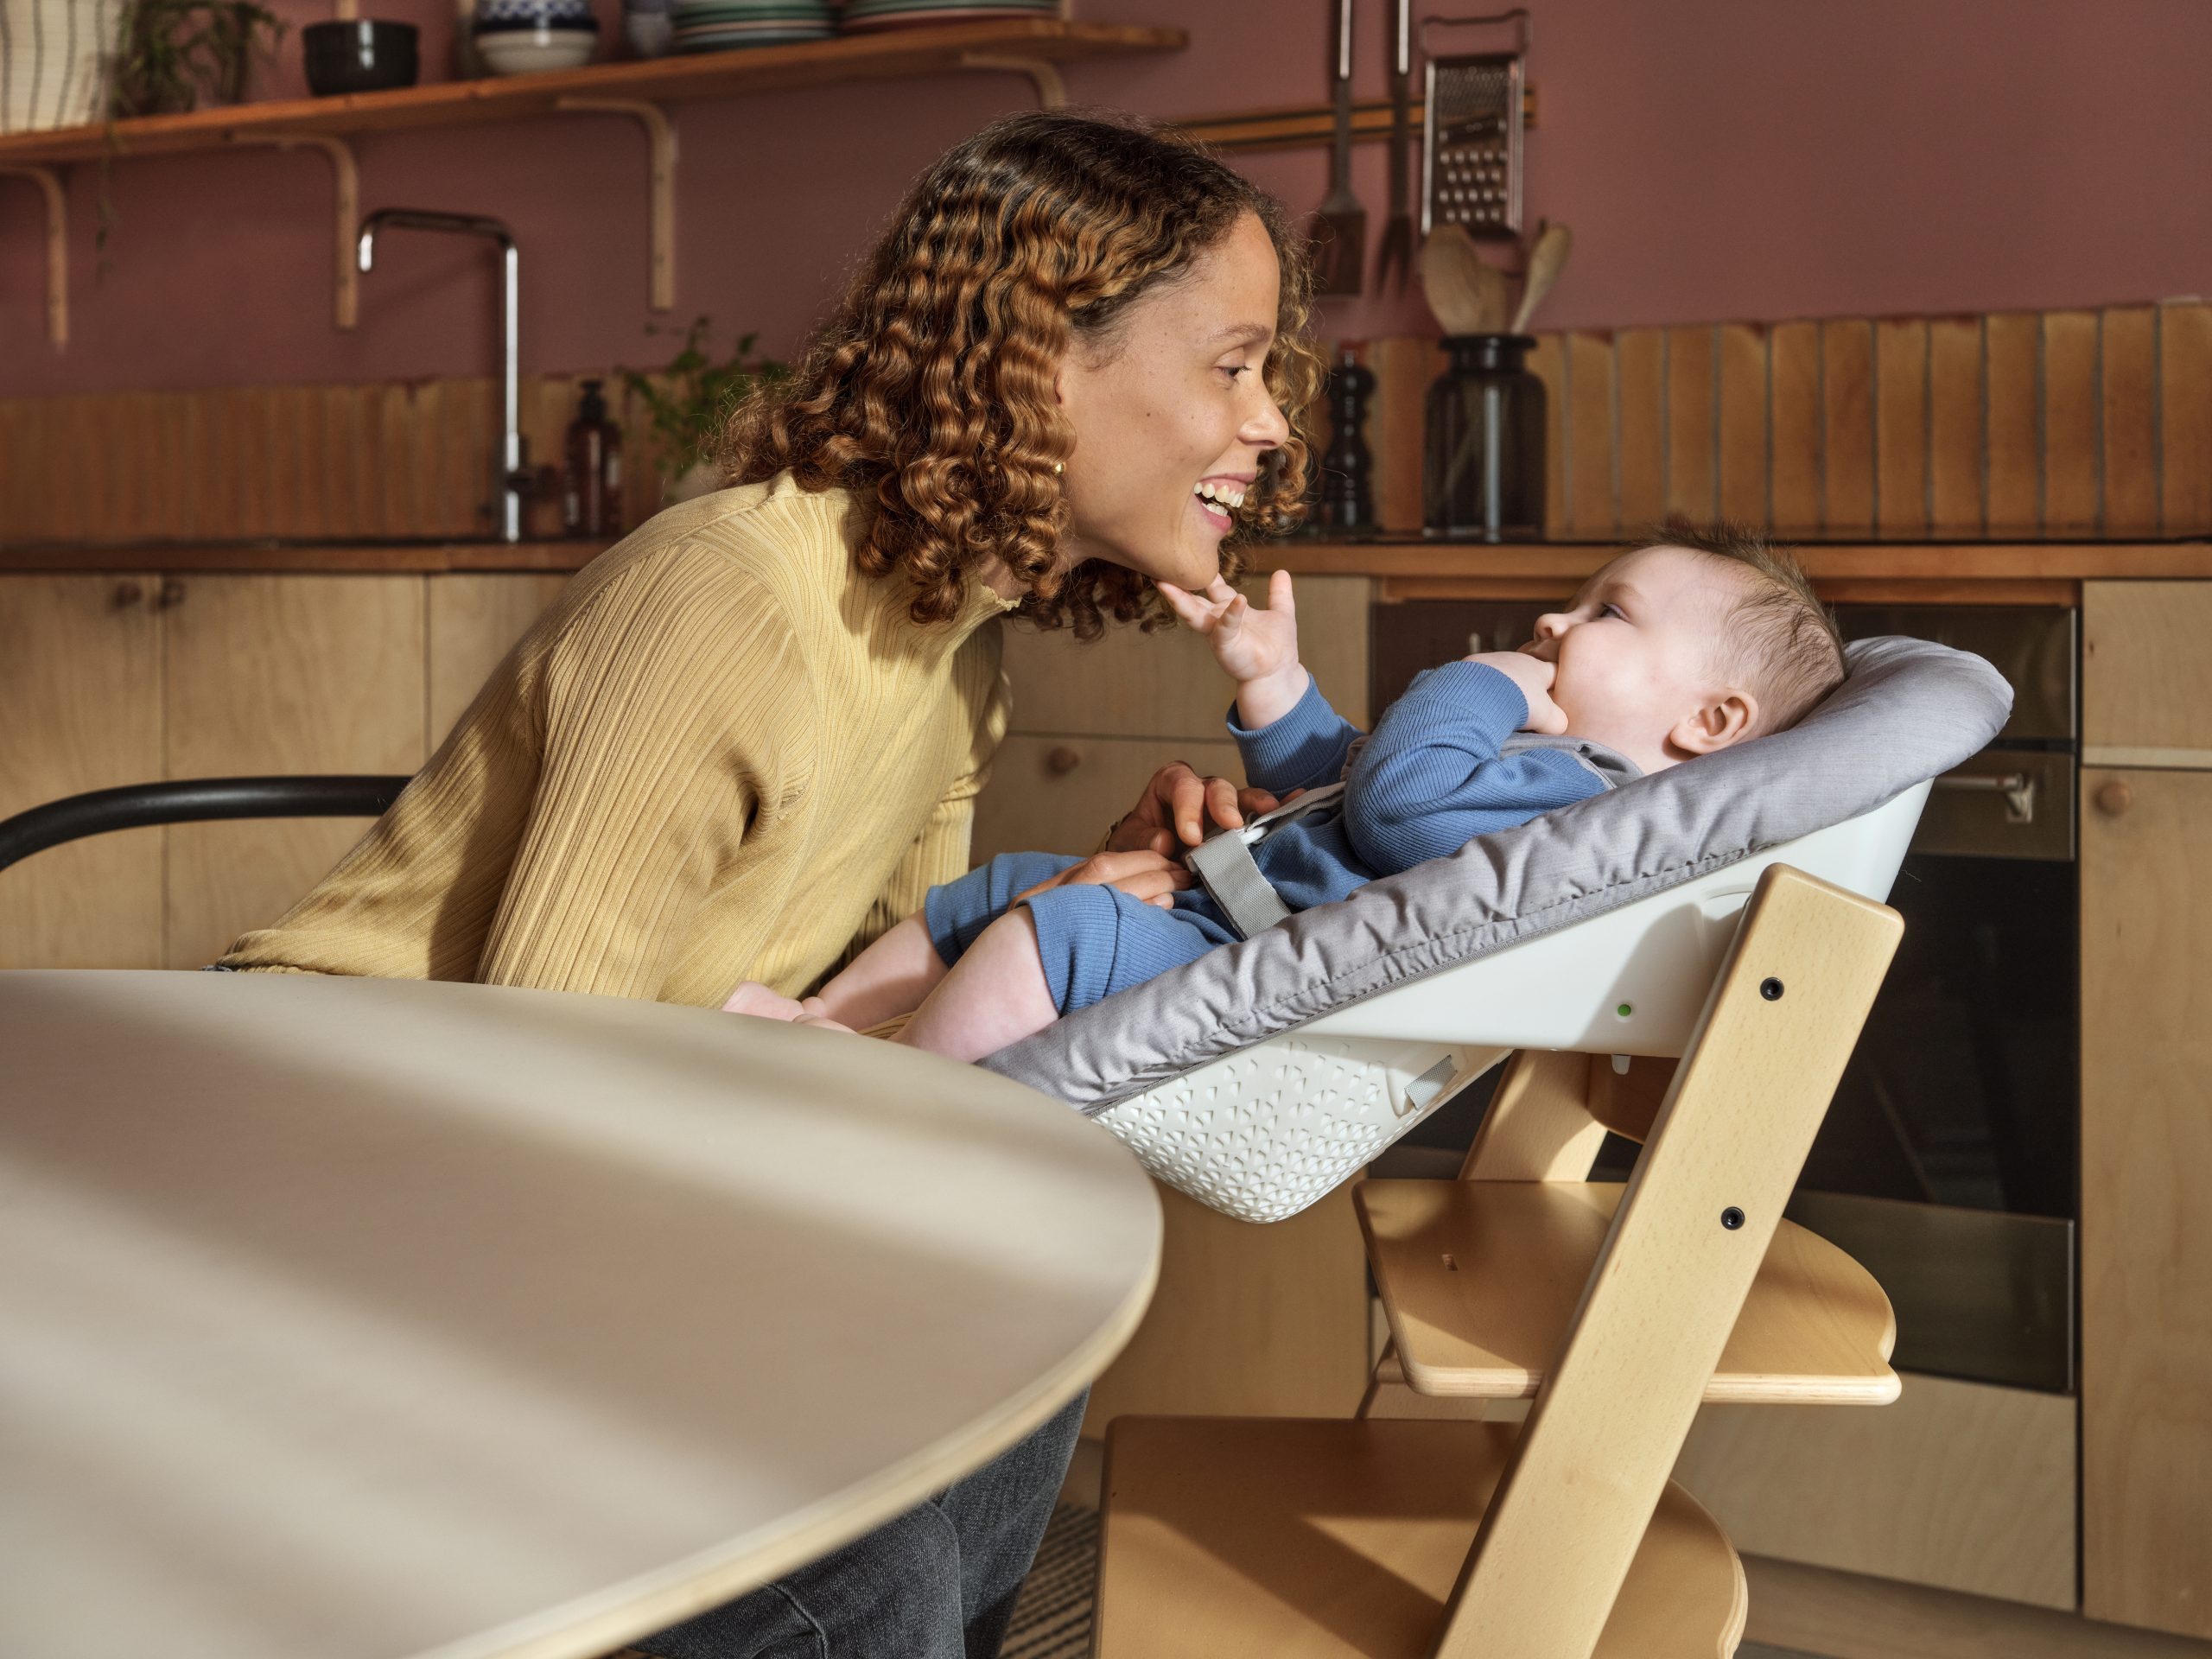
<point>1175,404</point>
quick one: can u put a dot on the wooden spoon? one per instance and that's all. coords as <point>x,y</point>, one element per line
<point>1468,296</point>
<point>1546,260</point>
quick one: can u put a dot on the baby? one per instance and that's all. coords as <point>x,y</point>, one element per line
<point>1681,645</point>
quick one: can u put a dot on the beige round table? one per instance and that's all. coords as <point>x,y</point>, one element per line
<point>367,1317</point>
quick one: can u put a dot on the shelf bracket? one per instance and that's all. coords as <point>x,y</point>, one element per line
<point>346,179</point>
<point>660,140</point>
<point>1052,91</point>
<point>57,248</point>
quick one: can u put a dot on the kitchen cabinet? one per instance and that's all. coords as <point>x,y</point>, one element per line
<point>81,680</point>
<point>2147,1106</point>
<point>131,679</point>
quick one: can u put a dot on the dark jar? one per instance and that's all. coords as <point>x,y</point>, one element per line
<point>1482,452</point>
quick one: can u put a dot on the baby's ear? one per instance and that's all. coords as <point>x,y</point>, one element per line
<point>1728,719</point>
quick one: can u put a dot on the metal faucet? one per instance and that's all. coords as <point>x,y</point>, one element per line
<point>514,479</point>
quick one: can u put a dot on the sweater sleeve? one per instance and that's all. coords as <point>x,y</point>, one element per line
<point>1304,749</point>
<point>938,853</point>
<point>618,766</point>
<point>679,729</point>
<point>1431,778</point>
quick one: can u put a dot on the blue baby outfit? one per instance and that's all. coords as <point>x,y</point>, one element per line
<point>1435,775</point>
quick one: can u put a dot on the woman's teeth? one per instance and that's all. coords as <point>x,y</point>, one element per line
<point>1229,495</point>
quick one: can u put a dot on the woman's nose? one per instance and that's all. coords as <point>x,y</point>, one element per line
<point>1266,428</point>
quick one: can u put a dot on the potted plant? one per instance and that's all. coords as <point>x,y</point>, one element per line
<point>174,53</point>
<point>688,402</point>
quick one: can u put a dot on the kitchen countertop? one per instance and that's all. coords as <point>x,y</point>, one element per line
<point>1409,567</point>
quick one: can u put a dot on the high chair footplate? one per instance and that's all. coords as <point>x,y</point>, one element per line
<point>1295,1539</point>
<point>1481,1280</point>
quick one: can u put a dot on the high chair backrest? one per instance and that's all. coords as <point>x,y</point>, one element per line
<point>1783,1015</point>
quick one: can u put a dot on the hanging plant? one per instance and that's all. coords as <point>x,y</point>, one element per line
<point>176,54</point>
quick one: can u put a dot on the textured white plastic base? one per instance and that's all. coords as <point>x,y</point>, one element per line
<point>1264,1132</point>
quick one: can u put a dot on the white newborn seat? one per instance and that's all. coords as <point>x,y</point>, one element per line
<point>1260,1077</point>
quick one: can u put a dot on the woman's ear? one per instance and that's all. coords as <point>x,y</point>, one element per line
<point>1730,718</point>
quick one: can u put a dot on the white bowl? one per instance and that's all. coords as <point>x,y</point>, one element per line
<point>526,51</point>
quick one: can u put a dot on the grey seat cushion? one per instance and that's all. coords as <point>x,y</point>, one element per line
<point>1907,711</point>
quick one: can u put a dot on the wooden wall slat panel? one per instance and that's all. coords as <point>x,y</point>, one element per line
<point>1691,391</point>
<point>1743,423</point>
<point>1954,428</point>
<point>1847,424</point>
<point>1640,384</point>
<point>2072,421</point>
<point>1794,424</point>
<point>2185,418</point>
<point>2026,424</point>
<point>2012,395</point>
<point>2130,399</point>
<point>1901,427</point>
<point>1592,507</point>
<point>1548,363</point>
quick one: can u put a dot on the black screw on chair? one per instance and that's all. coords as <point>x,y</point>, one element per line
<point>193,800</point>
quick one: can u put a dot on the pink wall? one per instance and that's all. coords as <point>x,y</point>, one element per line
<point>1717,159</point>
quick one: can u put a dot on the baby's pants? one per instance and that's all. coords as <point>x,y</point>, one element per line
<point>1094,940</point>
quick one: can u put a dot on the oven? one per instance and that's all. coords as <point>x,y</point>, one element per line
<point>1948,1162</point>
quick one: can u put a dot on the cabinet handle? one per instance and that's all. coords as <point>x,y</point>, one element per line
<point>171,596</point>
<point>2114,798</point>
<point>126,594</point>
<point>1061,759</point>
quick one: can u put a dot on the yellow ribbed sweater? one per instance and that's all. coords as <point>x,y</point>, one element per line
<point>723,754</point>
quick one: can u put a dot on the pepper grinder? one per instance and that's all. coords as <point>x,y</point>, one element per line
<point>1345,497</point>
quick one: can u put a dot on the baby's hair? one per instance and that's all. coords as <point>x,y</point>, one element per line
<point>1777,638</point>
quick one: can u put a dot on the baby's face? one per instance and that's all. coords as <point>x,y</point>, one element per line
<point>1634,653</point>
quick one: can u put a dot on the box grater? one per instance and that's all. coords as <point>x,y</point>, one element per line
<point>1471,134</point>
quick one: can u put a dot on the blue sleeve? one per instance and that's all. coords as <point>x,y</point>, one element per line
<point>1431,778</point>
<point>1303,750</point>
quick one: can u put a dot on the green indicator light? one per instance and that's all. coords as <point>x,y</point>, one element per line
<point>1625,1009</point>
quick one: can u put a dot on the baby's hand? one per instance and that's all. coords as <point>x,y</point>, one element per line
<point>1534,676</point>
<point>1256,648</point>
<point>1248,644</point>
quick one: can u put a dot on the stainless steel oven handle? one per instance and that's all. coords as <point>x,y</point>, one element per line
<point>2018,788</point>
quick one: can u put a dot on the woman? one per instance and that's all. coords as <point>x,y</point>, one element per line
<point>749,738</point>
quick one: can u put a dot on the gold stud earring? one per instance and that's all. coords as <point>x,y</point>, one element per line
<point>1058,467</point>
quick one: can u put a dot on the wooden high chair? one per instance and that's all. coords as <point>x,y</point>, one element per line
<point>1618,1309</point>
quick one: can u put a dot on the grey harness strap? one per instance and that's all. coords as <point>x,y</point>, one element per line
<point>1225,867</point>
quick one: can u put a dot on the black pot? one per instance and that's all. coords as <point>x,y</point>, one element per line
<point>360,56</point>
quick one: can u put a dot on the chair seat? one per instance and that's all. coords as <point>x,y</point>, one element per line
<point>1294,1539</point>
<point>1481,1280</point>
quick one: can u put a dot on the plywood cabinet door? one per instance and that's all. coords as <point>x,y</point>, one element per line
<point>473,621</point>
<point>80,687</point>
<point>279,675</point>
<point>2146,1198</point>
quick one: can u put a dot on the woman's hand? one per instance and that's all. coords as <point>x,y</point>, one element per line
<point>1175,807</point>
<point>1258,649</point>
<point>1151,876</point>
<point>1534,676</point>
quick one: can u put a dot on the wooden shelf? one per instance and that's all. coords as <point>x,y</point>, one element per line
<point>897,56</point>
<point>1481,1280</point>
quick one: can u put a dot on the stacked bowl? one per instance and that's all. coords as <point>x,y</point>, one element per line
<point>866,16</point>
<point>519,37</point>
<point>722,25</point>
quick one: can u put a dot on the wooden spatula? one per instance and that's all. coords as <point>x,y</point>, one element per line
<point>1338,232</point>
<point>1468,296</point>
<point>1546,260</point>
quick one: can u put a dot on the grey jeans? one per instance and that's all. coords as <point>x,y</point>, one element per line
<point>938,1582</point>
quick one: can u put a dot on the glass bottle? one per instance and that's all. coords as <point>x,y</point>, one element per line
<point>1483,451</point>
<point>592,500</point>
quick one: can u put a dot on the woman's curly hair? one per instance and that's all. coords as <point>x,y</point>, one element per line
<point>930,394</point>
